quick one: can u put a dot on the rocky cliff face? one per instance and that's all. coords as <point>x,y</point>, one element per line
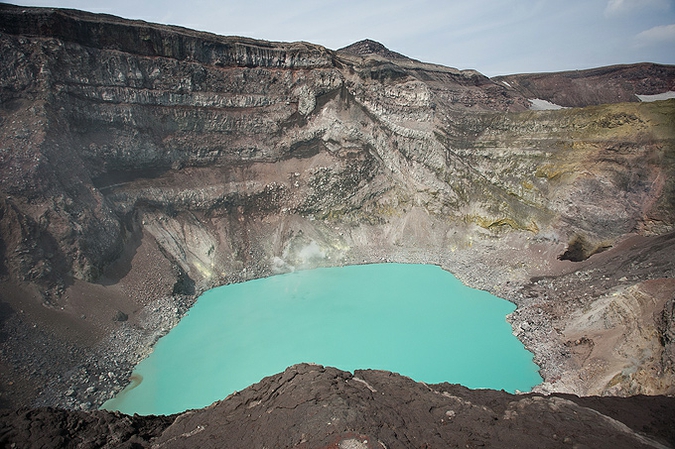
<point>142,164</point>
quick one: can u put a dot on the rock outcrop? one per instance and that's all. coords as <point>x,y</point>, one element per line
<point>142,164</point>
<point>309,406</point>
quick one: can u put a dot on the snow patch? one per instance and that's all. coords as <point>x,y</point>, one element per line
<point>657,97</point>
<point>506,84</point>
<point>537,104</point>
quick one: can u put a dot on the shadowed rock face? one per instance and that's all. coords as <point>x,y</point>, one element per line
<point>142,164</point>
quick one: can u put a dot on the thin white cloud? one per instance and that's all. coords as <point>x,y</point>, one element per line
<point>657,35</point>
<point>622,7</point>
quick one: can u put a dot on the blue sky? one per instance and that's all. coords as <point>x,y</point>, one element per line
<point>494,37</point>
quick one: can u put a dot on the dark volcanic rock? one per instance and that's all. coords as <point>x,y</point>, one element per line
<point>120,316</point>
<point>55,428</point>
<point>309,406</point>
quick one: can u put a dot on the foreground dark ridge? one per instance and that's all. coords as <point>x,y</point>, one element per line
<point>141,164</point>
<point>309,406</point>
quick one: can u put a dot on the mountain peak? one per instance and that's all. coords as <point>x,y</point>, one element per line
<point>369,47</point>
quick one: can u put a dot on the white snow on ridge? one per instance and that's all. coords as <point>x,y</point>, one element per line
<point>506,84</point>
<point>537,104</point>
<point>657,97</point>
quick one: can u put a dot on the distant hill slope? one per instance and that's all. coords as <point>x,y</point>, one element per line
<point>614,84</point>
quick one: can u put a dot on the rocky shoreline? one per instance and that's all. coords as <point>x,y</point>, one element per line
<point>106,370</point>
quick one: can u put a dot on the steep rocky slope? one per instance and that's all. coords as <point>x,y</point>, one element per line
<point>142,164</point>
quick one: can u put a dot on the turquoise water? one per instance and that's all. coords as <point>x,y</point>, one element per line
<point>417,320</point>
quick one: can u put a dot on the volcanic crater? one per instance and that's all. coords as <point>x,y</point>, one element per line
<point>142,164</point>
